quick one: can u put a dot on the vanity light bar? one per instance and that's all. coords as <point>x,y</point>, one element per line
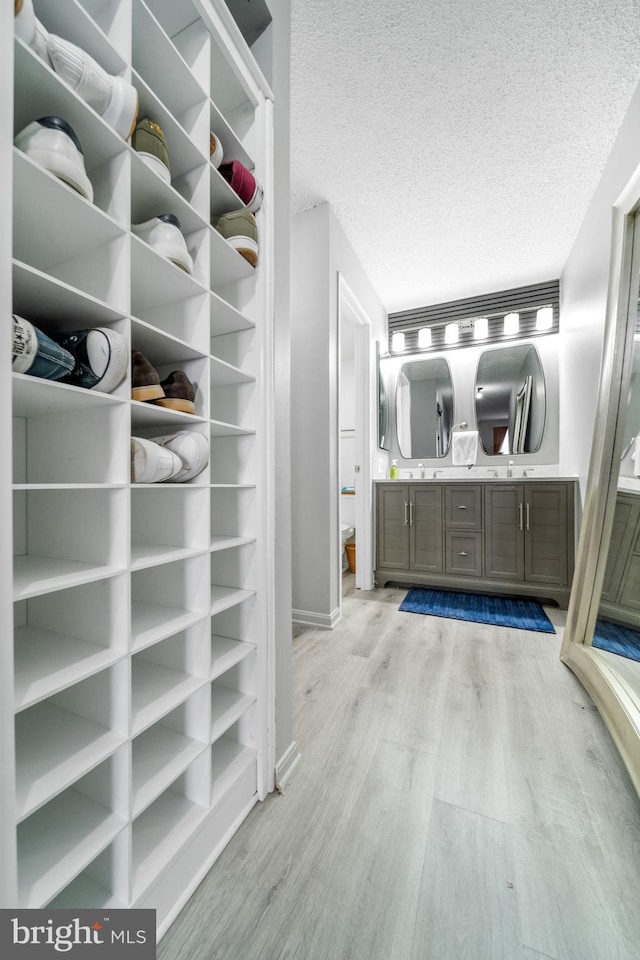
<point>480,319</point>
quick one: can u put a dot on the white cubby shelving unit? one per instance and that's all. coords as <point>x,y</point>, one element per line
<point>137,729</point>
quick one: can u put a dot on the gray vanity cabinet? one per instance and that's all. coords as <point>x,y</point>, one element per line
<point>526,534</point>
<point>409,524</point>
<point>494,537</point>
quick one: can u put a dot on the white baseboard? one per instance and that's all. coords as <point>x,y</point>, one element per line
<point>286,766</point>
<point>311,619</point>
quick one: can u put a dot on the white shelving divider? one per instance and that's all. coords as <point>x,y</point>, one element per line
<point>137,734</point>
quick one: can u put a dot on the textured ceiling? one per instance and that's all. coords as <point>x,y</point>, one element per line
<point>459,142</point>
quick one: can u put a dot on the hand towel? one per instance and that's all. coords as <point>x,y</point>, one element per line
<point>635,456</point>
<point>464,447</point>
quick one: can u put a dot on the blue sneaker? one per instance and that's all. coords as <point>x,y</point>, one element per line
<point>101,358</point>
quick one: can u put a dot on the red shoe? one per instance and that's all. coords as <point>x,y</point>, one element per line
<point>244,183</point>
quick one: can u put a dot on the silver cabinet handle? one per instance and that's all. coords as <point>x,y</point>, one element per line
<point>462,506</point>
<point>406,521</point>
<point>463,553</point>
<point>411,513</point>
<point>527,516</point>
<point>520,527</point>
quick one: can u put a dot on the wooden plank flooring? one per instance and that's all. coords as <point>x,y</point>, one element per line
<point>458,798</point>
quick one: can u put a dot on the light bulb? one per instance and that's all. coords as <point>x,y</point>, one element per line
<point>511,324</point>
<point>424,337</point>
<point>451,333</point>
<point>544,318</point>
<point>480,328</point>
<point>397,342</point>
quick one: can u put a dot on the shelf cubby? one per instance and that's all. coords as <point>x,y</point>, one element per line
<point>233,455</point>
<point>150,196</point>
<point>60,739</point>
<point>163,347</point>
<point>228,705</point>
<point>230,761</point>
<point>43,299</point>
<point>165,826</point>
<point>227,652</point>
<point>100,884</point>
<point>236,350</point>
<point>165,674</point>
<point>78,445</point>
<point>226,318</point>
<point>160,64</point>
<point>67,537</point>
<point>113,18</point>
<point>222,198</point>
<point>232,402</point>
<point>61,839</point>
<point>226,263</point>
<point>225,374</point>
<point>62,638</point>
<point>237,623</point>
<point>232,109</point>
<point>155,280</point>
<point>189,36</point>
<point>222,598</point>
<point>168,599</point>
<point>71,20</point>
<point>167,524</point>
<point>233,514</point>
<point>40,93</point>
<point>167,748</point>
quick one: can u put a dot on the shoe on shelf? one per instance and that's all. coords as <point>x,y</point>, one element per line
<point>164,235</point>
<point>193,450</point>
<point>243,182</point>
<point>101,358</point>
<point>52,143</point>
<point>29,28</point>
<point>152,463</point>
<point>113,98</point>
<point>145,382</point>
<point>215,150</point>
<point>179,392</point>
<point>239,228</point>
<point>150,144</point>
<point>35,353</point>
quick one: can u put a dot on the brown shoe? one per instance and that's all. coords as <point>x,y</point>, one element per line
<point>179,392</point>
<point>145,382</point>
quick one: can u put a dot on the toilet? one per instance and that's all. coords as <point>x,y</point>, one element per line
<point>345,532</point>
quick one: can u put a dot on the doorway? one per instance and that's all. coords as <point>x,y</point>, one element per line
<point>356,386</point>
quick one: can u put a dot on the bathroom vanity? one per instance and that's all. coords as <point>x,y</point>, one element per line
<point>511,536</point>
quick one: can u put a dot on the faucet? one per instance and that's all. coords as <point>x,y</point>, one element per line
<point>494,472</point>
<point>435,473</point>
<point>510,468</point>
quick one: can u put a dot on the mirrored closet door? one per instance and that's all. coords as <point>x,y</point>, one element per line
<point>602,636</point>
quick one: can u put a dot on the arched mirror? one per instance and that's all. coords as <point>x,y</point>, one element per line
<point>424,408</point>
<point>510,400</point>
<point>602,637</point>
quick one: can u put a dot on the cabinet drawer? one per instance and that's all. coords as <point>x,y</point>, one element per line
<point>463,506</point>
<point>463,553</point>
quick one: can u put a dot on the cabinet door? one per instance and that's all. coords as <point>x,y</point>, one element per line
<point>393,526</point>
<point>504,533</point>
<point>630,590</point>
<point>463,506</point>
<point>425,517</point>
<point>622,534</point>
<point>546,557</point>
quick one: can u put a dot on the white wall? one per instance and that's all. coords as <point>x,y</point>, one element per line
<point>319,253</point>
<point>583,296</point>
<point>463,364</point>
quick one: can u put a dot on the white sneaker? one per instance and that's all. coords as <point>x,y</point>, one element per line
<point>193,450</point>
<point>151,463</point>
<point>215,150</point>
<point>29,29</point>
<point>163,234</point>
<point>52,143</point>
<point>112,97</point>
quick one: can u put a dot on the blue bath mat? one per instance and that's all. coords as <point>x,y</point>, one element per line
<point>617,639</point>
<point>499,611</point>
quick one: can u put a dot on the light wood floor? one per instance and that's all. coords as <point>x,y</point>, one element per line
<point>458,799</point>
